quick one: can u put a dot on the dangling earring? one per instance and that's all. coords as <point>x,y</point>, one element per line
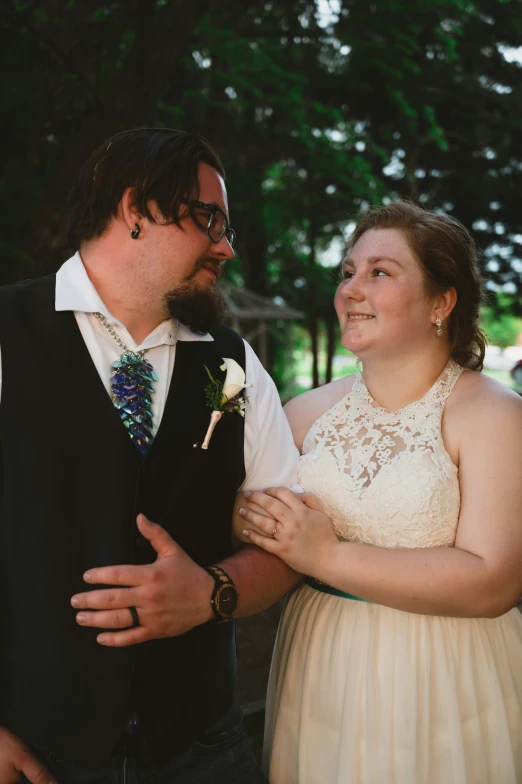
<point>438,322</point>
<point>135,232</point>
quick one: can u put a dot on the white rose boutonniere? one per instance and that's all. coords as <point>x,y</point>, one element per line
<point>223,396</point>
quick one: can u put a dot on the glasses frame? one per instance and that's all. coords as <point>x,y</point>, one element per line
<point>227,232</point>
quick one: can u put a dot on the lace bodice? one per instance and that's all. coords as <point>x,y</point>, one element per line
<point>384,477</point>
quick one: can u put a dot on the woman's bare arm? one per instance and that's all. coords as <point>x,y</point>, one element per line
<point>482,575</point>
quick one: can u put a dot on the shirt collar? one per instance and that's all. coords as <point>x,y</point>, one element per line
<point>75,291</point>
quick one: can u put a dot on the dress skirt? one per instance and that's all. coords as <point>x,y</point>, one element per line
<point>364,694</point>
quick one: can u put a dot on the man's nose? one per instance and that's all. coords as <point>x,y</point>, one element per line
<point>222,249</point>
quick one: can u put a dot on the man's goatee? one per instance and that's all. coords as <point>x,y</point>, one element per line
<point>199,309</point>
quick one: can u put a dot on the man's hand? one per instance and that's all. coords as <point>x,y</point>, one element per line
<point>16,760</point>
<point>171,595</point>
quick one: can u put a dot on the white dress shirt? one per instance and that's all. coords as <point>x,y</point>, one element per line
<point>270,454</point>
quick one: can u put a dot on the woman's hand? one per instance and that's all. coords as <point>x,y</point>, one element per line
<point>293,527</point>
<point>238,521</point>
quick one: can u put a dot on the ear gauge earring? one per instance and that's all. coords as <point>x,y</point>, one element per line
<point>438,322</point>
<point>135,232</point>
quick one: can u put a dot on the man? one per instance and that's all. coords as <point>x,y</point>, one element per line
<point>85,575</point>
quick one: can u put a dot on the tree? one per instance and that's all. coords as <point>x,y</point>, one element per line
<point>84,71</point>
<point>314,118</point>
<point>460,147</point>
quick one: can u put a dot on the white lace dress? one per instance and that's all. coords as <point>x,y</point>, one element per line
<point>363,694</point>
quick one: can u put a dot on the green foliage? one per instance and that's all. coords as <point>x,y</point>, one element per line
<point>314,121</point>
<point>213,392</point>
<point>502,328</point>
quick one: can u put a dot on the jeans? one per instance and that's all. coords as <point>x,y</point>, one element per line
<point>222,755</point>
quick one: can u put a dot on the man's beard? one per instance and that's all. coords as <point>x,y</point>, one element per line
<point>199,309</point>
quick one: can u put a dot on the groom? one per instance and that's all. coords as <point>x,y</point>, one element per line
<point>85,574</point>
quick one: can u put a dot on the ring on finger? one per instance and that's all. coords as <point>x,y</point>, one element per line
<point>135,617</point>
<point>275,530</point>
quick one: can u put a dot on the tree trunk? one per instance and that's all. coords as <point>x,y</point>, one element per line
<point>250,223</point>
<point>331,336</point>
<point>313,321</point>
<point>252,236</point>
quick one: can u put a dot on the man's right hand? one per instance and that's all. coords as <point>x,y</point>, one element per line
<point>17,761</point>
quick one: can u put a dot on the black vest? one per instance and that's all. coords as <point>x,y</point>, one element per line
<point>72,485</point>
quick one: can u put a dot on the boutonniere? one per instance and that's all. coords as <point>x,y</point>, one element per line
<point>223,396</point>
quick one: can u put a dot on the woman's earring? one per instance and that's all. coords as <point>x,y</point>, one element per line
<point>135,233</point>
<point>438,322</point>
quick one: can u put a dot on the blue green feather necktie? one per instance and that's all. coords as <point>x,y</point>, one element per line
<point>132,380</point>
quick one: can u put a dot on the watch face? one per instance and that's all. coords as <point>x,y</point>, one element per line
<point>226,600</point>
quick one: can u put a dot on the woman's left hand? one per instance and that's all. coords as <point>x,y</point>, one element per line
<point>296,529</point>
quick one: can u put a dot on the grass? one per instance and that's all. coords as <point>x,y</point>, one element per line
<point>501,375</point>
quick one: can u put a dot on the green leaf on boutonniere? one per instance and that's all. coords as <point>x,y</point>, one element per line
<point>213,392</point>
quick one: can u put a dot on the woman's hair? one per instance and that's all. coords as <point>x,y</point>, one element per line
<point>161,165</point>
<point>448,256</point>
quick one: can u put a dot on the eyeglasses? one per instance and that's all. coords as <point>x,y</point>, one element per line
<point>211,219</point>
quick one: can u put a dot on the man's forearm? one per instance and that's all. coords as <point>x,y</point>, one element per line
<point>261,579</point>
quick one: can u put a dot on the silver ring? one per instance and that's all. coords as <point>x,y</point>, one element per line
<point>135,617</point>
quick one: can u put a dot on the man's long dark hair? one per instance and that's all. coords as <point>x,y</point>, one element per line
<point>161,164</point>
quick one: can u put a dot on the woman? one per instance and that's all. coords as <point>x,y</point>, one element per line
<point>399,660</point>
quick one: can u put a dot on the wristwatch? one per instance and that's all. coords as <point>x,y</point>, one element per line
<point>224,596</point>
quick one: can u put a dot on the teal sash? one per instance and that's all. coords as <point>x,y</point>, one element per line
<point>324,588</point>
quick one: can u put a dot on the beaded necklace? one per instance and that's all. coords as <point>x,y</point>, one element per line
<point>131,387</point>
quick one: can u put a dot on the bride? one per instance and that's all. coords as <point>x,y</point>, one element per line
<point>399,659</point>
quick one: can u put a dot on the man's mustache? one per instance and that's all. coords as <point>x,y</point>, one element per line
<point>206,261</point>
